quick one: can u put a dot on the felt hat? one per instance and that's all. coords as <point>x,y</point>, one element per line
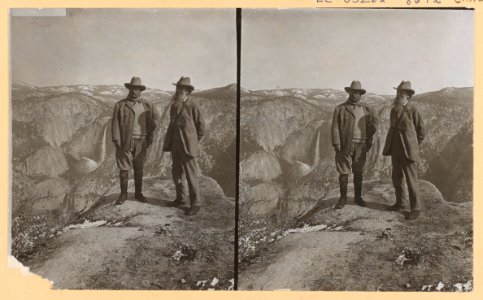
<point>135,82</point>
<point>185,81</point>
<point>405,86</point>
<point>355,86</point>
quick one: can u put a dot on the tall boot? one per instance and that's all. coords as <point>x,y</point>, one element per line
<point>358,190</point>
<point>343,181</point>
<point>138,186</point>
<point>123,178</point>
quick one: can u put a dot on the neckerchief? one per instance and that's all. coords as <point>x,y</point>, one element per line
<point>137,100</point>
<point>358,104</point>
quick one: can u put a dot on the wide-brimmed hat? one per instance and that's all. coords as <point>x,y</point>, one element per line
<point>185,81</point>
<point>355,86</point>
<point>135,82</point>
<point>405,86</point>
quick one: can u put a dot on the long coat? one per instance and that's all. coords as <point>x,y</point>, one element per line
<point>191,125</point>
<point>343,125</point>
<point>123,122</point>
<point>409,127</point>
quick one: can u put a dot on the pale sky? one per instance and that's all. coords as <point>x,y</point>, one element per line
<point>328,48</point>
<point>109,46</point>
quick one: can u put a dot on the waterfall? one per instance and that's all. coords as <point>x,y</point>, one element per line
<point>316,155</point>
<point>86,164</point>
<point>302,169</point>
<point>103,147</point>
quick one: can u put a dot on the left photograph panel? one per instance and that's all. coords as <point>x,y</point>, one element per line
<point>123,147</point>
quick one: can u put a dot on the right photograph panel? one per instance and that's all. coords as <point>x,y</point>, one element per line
<point>356,150</point>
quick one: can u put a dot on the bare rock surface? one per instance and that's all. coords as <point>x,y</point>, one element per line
<point>144,245</point>
<point>368,248</point>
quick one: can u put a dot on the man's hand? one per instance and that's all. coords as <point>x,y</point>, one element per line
<point>117,144</point>
<point>369,145</point>
<point>149,141</point>
<point>337,148</point>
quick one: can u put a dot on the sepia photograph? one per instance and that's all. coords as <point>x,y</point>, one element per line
<point>123,147</point>
<point>274,149</point>
<point>356,150</point>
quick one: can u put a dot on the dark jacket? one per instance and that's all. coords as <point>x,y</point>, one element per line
<point>191,125</point>
<point>123,122</point>
<point>409,127</point>
<point>343,125</point>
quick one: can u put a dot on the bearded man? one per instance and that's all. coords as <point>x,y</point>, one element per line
<point>185,131</point>
<point>406,133</point>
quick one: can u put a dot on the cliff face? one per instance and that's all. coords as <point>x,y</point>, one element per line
<point>62,149</point>
<point>62,145</point>
<point>292,129</point>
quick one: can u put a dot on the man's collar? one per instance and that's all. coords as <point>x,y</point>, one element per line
<point>359,104</point>
<point>137,100</point>
<point>401,106</point>
<point>182,101</point>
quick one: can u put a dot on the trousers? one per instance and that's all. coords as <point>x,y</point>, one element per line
<point>134,158</point>
<point>354,162</point>
<point>403,168</point>
<point>187,165</point>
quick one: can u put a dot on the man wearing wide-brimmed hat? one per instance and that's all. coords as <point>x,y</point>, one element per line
<point>406,132</point>
<point>185,130</point>
<point>353,127</point>
<point>133,124</point>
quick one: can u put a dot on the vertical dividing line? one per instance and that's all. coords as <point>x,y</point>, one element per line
<point>237,157</point>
